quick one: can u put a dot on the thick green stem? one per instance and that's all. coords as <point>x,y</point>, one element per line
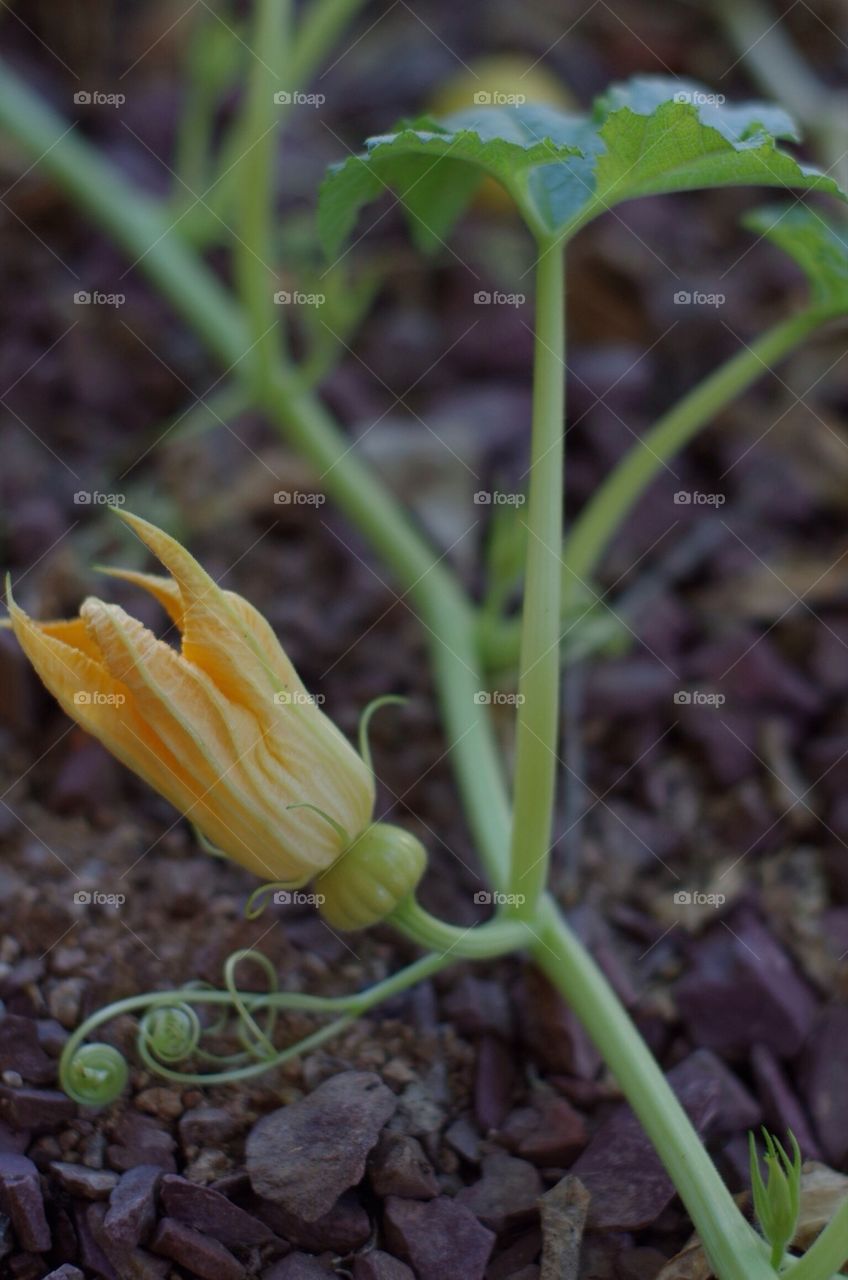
<point>253,246</point>
<point>537,721</point>
<point>603,514</point>
<point>828,1252</point>
<point>733,1247</point>
<point>138,224</point>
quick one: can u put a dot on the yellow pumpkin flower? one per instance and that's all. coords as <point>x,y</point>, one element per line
<point>223,728</point>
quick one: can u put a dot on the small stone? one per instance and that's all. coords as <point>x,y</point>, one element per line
<point>823,1082</point>
<point>552,1031</point>
<point>479,1006</point>
<point>297,1266</point>
<point>620,1169</point>
<point>85,1184</point>
<point>65,1000</point>
<point>398,1167</point>
<point>438,1238</point>
<point>507,1194</point>
<point>210,1212</point>
<point>132,1206</point>
<point>207,1127</point>
<point>377,1265</point>
<point>563,1212</point>
<point>463,1138</point>
<point>737,1109</point>
<point>130,1264</point>
<point>158,1101</point>
<point>305,1155</point>
<point>39,1110</point>
<point>65,1272</point>
<point>548,1133</point>
<point>639,1264</point>
<point>201,1256</point>
<point>743,990</point>
<point>141,1140</point>
<point>345,1228</point>
<point>781,1106</point>
<point>22,1198</point>
<point>493,1081</point>
<point>21,1052</point>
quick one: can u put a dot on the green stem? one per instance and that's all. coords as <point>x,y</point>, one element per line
<point>537,724</point>
<point>828,1252</point>
<point>138,225</point>
<point>735,1250</point>
<point>477,942</point>
<point>603,514</point>
<point>253,246</point>
<point>322,23</point>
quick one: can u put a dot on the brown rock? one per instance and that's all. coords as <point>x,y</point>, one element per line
<point>550,1132</point>
<point>438,1238</point>
<point>21,1051</point>
<point>132,1206</point>
<point>346,1227</point>
<point>210,1212</point>
<point>201,1256</point>
<point>306,1154</point>
<point>507,1194</point>
<point>398,1167</point>
<point>207,1127</point>
<point>39,1110</point>
<point>84,1183</point>
<point>377,1265</point>
<point>20,1189</point>
<point>823,1082</point>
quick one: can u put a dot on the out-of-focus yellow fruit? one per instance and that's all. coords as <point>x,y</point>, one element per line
<point>504,80</point>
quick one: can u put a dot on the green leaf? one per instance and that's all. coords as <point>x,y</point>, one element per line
<point>819,247</point>
<point>648,136</point>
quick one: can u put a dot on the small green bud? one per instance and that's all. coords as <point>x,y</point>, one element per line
<point>776,1201</point>
<point>381,867</point>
